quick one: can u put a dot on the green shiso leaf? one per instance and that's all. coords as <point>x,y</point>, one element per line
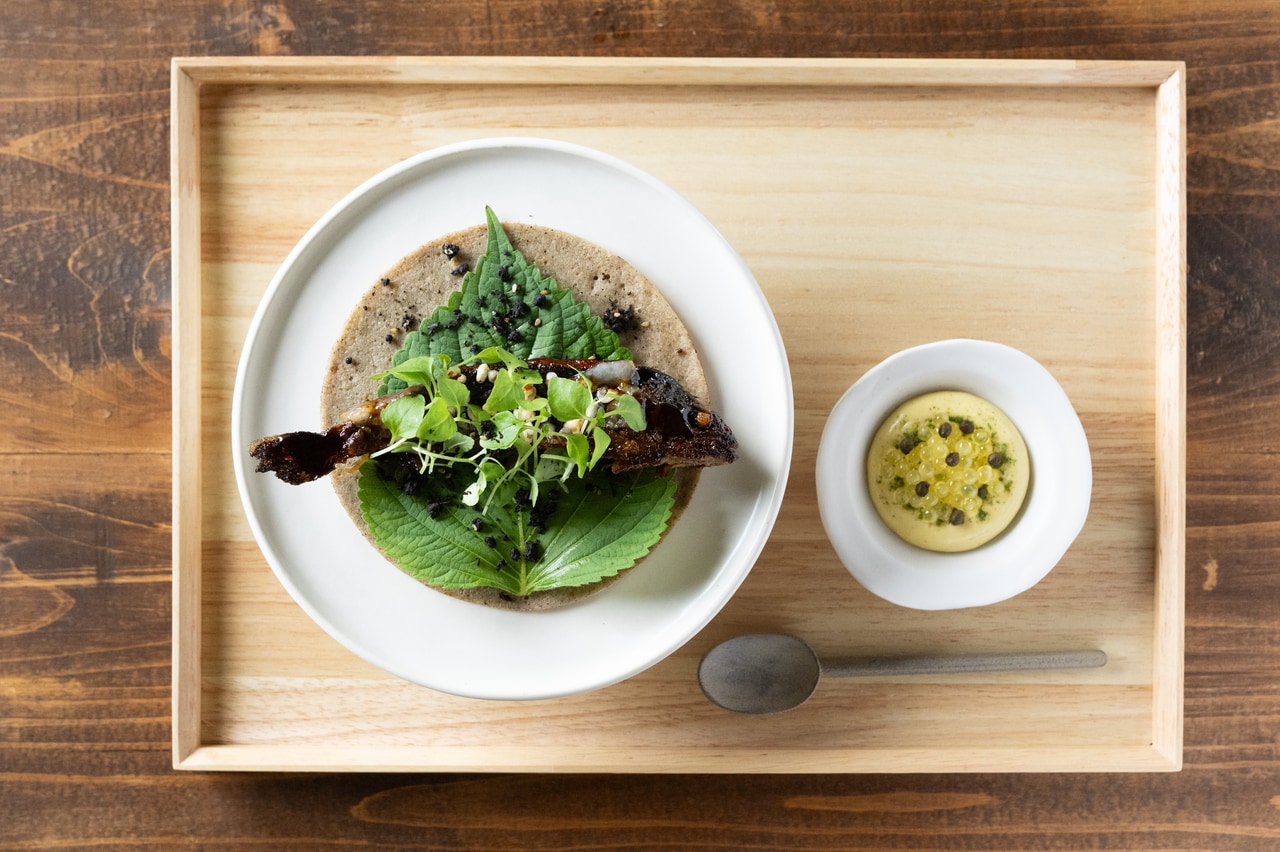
<point>595,532</point>
<point>592,527</point>
<point>531,323</point>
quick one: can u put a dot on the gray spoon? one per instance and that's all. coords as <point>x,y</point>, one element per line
<point>771,672</point>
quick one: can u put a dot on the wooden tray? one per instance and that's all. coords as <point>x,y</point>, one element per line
<point>880,204</point>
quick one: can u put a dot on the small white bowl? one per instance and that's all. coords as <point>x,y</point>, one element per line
<point>1055,509</point>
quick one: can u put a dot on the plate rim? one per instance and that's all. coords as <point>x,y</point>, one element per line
<point>387,181</point>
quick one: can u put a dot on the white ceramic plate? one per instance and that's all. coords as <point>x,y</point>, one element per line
<point>429,638</point>
<point>1049,521</point>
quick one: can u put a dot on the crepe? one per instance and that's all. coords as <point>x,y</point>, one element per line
<point>411,290</point>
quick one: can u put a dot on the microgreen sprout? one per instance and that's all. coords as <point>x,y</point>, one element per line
<point>526,429</point>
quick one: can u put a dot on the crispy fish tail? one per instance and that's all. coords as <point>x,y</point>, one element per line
<point>298,457</point>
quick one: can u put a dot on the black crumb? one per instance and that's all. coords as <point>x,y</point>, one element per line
<point>620,319</point>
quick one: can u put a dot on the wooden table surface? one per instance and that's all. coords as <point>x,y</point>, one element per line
<point>85,564</point>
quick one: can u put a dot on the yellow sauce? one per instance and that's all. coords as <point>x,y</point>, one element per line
<point>948,471</point>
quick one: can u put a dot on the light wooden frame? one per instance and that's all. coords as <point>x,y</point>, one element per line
<point>1162,83</point>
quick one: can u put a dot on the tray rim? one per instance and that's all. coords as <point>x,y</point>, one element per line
<point>1167,80</point>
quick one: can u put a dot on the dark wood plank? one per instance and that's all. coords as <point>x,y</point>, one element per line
<point>84,563</point>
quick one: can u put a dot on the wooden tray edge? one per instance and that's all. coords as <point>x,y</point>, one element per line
<point>1171,403</point>
<point>184,153</point>
<point>266,758</point>
<point>530,70</point>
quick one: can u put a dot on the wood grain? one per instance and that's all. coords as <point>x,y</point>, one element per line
<point>84,517</point>
<point>888,152</point>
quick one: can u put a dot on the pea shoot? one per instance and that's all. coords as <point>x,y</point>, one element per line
<point>521,428</point>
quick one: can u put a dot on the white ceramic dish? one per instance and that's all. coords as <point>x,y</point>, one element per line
<point>1051,517</point>
<point>429,638</point>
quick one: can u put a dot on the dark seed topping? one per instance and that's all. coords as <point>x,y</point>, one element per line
<point>434,509</point>
<point>490,541</point>
<point>504,273</point>
<point>386,282</point>
<point>514,555</point>
<point>957,517</point>
<point>449,250</point>
<point>460,269</point>
<point>983,492</point>
<point>966,427</point>
<point>906,444</point>
<point>618,318</point>
<point>348,360</point>
<point>953,459</point>
<point>390,338</point>
<point>532,552</point>
<point>477,523</point>
<point>945,429</point>
<point>922,488</point>
<point>995,459</point>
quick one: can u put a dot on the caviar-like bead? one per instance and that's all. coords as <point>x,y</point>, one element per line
<point>949,468</point>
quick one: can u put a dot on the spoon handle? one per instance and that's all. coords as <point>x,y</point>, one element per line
<point>962,664</point>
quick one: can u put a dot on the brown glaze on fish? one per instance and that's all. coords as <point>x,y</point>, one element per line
<point>298,457</point>
<point>680,431</point>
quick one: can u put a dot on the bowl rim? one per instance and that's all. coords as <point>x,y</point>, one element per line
<point>1052,515</point>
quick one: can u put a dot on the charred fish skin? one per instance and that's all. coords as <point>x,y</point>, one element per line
<point>680,431</point>
<point>301,457</point>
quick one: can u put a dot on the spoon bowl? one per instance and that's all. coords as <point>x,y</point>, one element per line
<point>760,673</point>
